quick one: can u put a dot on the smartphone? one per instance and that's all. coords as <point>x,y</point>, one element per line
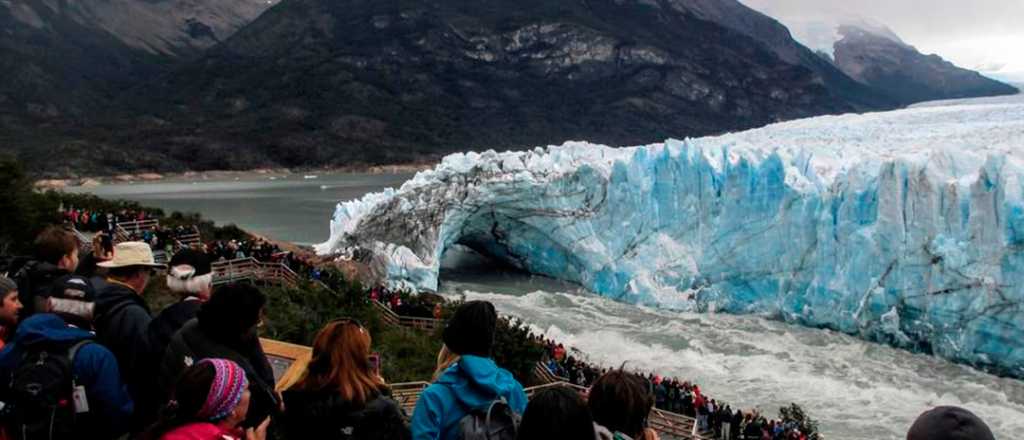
<point>108,243</point>
<point>375,362</point>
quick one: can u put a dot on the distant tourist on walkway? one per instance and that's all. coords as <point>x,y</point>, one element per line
<point>620,404</point>
<point>226,327</point>
<point>557,413</point>
<point>10,308</point>
<point>949,423</point>
<point>210,401</point>
<point>341,392</point>
<point>473,382</point>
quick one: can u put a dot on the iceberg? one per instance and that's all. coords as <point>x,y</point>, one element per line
<point>904,227</point>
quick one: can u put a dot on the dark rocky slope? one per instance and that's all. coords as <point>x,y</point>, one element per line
<point>334,82</point>
<point>881,60</point>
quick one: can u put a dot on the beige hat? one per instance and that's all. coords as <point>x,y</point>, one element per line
<point>131,253</point>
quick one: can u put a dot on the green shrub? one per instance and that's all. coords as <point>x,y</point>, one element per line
<point>794,413</point>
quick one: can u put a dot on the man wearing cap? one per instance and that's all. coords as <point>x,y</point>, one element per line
<point>122,316</point>
<point>48,282</point>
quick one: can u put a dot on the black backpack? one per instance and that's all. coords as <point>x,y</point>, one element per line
<point>42,395</point>
<point>495,421</point>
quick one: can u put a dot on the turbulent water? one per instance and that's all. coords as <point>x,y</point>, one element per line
<point>856,389</point>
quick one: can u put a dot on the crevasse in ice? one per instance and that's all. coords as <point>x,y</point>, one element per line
<point>905,227</point>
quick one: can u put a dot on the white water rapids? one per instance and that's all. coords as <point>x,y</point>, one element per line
<point>855,389</point>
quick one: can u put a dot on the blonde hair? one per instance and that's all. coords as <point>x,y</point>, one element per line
<point>341,362</point>
<point>445,359</point>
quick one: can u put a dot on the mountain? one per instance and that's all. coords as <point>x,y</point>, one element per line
<point>778,38</point>
<point>331,82</point>
<point>65,62</point>
<point>875,56</point>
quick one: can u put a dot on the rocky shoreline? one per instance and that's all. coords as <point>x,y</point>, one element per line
<point>95,181</point>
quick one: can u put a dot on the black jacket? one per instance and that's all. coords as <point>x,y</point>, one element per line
<point>73,295</point>
<point>169,321</point>
<point>325,415</point>
<point>191,344</point>
<point>161,329</point>
<point>122,325</point>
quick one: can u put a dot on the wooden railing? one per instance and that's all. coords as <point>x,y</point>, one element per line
<point>188,240</point>
<point>249,269</point>
<point>407,394</point>
<point>84,241</point>
<point>545,376</point>
<point>124,230</point>
<point>412,322</point>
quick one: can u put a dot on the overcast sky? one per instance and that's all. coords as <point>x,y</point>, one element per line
<point>986,35</point>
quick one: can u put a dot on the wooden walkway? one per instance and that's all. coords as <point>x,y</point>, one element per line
<point>249,269</point>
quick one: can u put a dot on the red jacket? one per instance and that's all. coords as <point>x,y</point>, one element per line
<point>202,431</point>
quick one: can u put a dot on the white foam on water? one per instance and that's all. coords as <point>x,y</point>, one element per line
<point>856,389</point>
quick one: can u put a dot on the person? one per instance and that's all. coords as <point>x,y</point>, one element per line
<point>620,404</point>
<point>226,327</point>
<point>341,391</point>
<point>949,423</point>
<point>557,412</point>
<point>10,307</point>
<point>93,367</point>
<point>48,284</point>
<point>471,383</point>
<point>123,317</point>
<point>190,276</point>
<point>210,401</point>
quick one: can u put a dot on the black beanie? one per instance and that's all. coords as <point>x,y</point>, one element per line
<point>198,260</point>
<point>231,311</point>
<point>471,329</point>
<point>949,423</point>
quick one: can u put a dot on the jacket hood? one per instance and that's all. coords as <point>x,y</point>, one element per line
<point>47,327</point>
<point>476,381</point>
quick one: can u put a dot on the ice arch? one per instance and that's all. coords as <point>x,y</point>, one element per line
<point>905,227</point>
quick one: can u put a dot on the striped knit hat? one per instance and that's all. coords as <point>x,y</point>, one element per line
<point>229,383</point>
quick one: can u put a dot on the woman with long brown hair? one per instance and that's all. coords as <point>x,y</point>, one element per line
<point>341,394</point>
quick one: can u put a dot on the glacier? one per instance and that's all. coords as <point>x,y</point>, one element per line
<point>903,227</point>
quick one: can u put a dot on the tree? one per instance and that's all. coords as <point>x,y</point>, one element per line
<point>21,208</point>
<point>807,425</point>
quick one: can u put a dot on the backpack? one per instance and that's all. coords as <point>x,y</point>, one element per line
<point>44,398</point>
<point>495,421</point>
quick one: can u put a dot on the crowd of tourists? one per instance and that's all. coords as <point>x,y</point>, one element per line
<point>406,304</point>
<point>258,249</point>
<point>85,219</point>
<point>83,356</point>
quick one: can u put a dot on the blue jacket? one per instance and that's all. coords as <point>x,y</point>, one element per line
<point>94,366</point>
<point>471,383</point>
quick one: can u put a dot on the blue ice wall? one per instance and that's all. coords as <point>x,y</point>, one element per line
<point>903,227</point>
